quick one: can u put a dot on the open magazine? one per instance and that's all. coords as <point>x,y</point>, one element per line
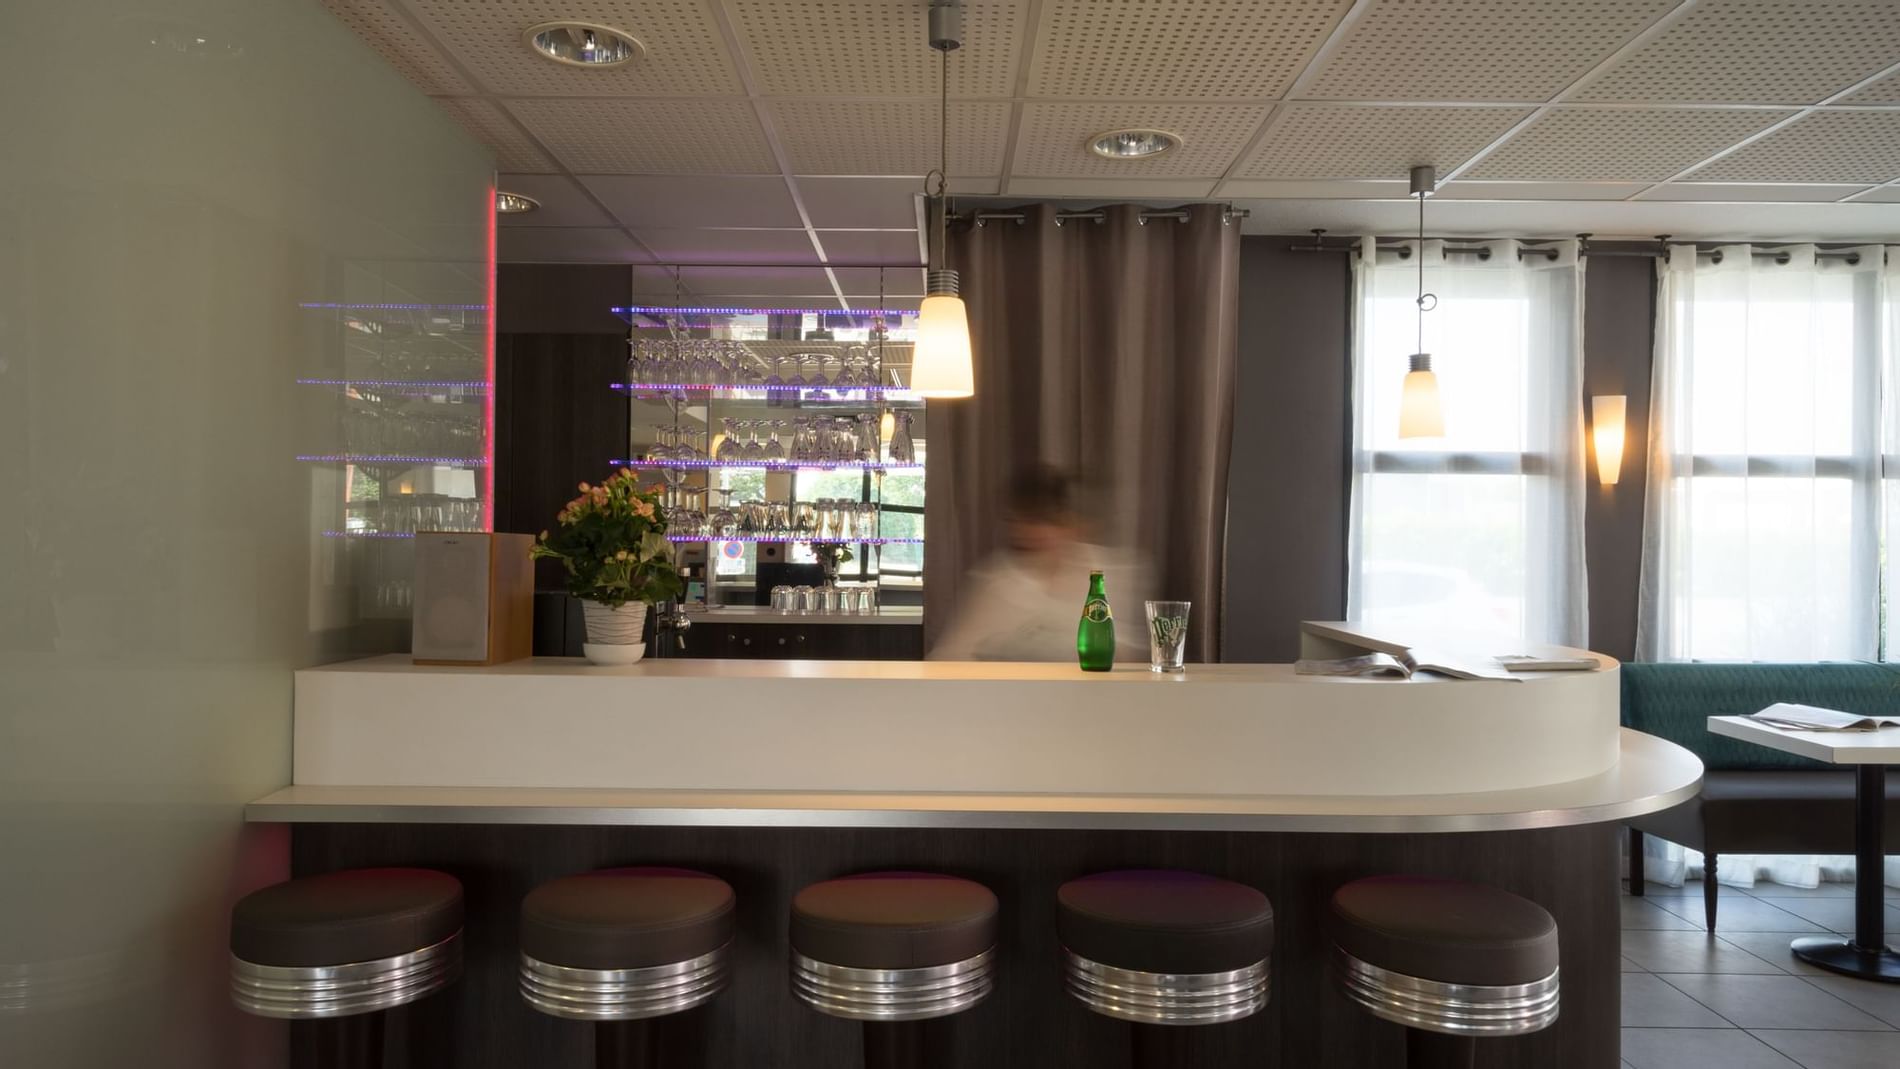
<point>1399,665</point>
<point>1793,717</point>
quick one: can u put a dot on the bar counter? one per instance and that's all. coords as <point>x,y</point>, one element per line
<point>776,774</point>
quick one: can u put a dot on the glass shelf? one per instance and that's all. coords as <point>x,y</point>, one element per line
<point>356,458</point>
<point>815,393</point>
<point>368,534</point>
<point>765,465</point>
<point>776,538</point>
<point>655,315</point>
<point>465,385</point>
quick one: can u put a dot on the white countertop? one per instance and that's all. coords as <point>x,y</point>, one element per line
<point>1652,774</point>
<point>1880,747</point>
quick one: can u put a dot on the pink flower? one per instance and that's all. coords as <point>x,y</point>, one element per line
<point>584,488</point>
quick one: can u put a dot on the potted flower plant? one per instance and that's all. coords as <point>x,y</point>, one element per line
<point>612,541</point>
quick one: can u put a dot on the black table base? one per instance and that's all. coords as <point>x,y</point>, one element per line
<point>1867,955</point>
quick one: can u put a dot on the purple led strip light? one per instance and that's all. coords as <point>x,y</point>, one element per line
<point>476,384</point>
<point>352,458</point>
<point>663,310</point>
<point>353,307</point>
<point>367,534</point>
<point>801,538</point>
<point>771,465</point>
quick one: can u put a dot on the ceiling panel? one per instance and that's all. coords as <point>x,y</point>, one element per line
<point>650,136</point>
<point>870,282</point>
<point>1347,141</point>
<point>875,47</point>
<point>730,246</point>
<point>811,284</point>
<point>1476,50</point>
<point>1463,189</point>
<point>1757,52</point>
<point>871,246</point>
<point>1627,144</point>
<point>563,202</point>
<point>678,201</point>
<point>890,137</point>
<point>860,202</point>
<point>1177,49</point>
<point>1053,142</point>
<point>1884,91</point>
<point>685,55</point>
<point>397,39</point>
<point>1883,195</point>
<point>1736,192</point>
<point>518,244</point>
<point>514,150</point>
<point>1829,146</point>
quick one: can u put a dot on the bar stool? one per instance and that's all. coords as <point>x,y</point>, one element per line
<point>1450,961</point>
<point>620,947</point>
<point>331,952</point>
<point>892,949</point>
<point>1161,947</point>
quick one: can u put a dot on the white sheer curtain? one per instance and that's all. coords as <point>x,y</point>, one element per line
<point>1481,530</point>
<point>1762,534</point>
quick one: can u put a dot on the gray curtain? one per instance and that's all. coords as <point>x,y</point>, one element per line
<point>1107,350</point>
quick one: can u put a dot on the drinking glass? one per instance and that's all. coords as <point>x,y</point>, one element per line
<point>804,599</point>
<point>1167,635</point>
<point>783,599</point>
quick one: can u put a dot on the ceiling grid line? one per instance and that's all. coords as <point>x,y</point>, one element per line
<point>1026,58</point>
<point>1321,54</point>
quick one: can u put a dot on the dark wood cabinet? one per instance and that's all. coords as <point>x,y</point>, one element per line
<point>799,641</point>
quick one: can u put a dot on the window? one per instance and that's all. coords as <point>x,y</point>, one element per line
<point>1763,518</point>
<point>1481,530</point>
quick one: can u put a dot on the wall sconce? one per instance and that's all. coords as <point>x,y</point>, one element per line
<point>1606,426</point>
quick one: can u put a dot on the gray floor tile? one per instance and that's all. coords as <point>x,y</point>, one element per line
<point>1630,966</point>
<point>1837,1050</point>
<point>1740,914</point>
<point>1881,1000</point>
<point>1689,952</point>
<point>1826,890</point>
<point>1698,1048</point>
<point>1772,947</point>
<point>1642,913</point>
<point>1773,1002</point>
<point>1834,914</point>
<point>1648,1002</point>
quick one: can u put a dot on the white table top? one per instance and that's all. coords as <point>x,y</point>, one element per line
<point>1880,747</point>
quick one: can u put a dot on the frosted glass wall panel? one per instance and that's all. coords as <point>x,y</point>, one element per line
<point>180,179</point>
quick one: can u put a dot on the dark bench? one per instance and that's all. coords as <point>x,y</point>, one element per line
<point>1755,800</point>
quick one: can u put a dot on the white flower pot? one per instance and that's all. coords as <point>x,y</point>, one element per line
<point>614,636</point>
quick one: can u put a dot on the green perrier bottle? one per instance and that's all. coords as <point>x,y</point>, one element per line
<point>1095,636</point>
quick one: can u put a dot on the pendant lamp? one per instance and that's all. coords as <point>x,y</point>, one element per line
<point>1420,414</point>
<point>941,366</point>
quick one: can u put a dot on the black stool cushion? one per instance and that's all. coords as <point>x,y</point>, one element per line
<point>893,920</point>
<point>628,918</point>
<point>343,917</point>
<point>1165,921</point>
<point>1445,930</point>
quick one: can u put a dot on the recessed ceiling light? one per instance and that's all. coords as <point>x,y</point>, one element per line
<point>507,203</point>
<point>1133,144</point>
<point>583,44</point>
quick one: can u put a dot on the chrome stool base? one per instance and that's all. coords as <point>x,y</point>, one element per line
<point>893,994</point>
<point>320,991</point>
<point>623,994</point>
<point>1452,1009</point>
<point>1166,998</point>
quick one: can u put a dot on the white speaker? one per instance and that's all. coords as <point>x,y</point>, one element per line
<point>474,598</point>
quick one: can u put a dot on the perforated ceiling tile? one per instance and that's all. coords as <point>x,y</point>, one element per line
<point>889,136</point>
<point>514,150</point>
<point>698,200</point>
<point>875,47</point>
<point>1344,141</point>
<point>870,282</point>
<point>871,246</point>
<point>396,39</point>
<point>1619,144</point>
<point>1053,141</point>
<point>563,202</point>
<point>1884,91</point>
<point>1829,146</point>
<point>685,53</point>
<point>1476,50</point>
<point>650,136</point>
<point>729,246</point>
<point>855,202</point>
<point>1758,52</point>
<point>567,244</point>
<point>1177,48</point>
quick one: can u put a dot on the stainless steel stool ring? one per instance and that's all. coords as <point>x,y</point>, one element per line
<point>1167,998</point>
<point>1455,1009</point>
<point>623,994</point>
<point>302,992</point>
<point>893,994</point>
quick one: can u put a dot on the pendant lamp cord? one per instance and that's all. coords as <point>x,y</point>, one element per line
<point>1423,297</point>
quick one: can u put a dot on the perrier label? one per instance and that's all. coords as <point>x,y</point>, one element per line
<point>1095,636</point>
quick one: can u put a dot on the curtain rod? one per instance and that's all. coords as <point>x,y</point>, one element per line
<point>1319,244</point>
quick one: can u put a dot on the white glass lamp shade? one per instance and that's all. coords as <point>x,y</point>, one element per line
<point>940,364</point>
<point>1606,426</point>
<point>1420,414</point>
